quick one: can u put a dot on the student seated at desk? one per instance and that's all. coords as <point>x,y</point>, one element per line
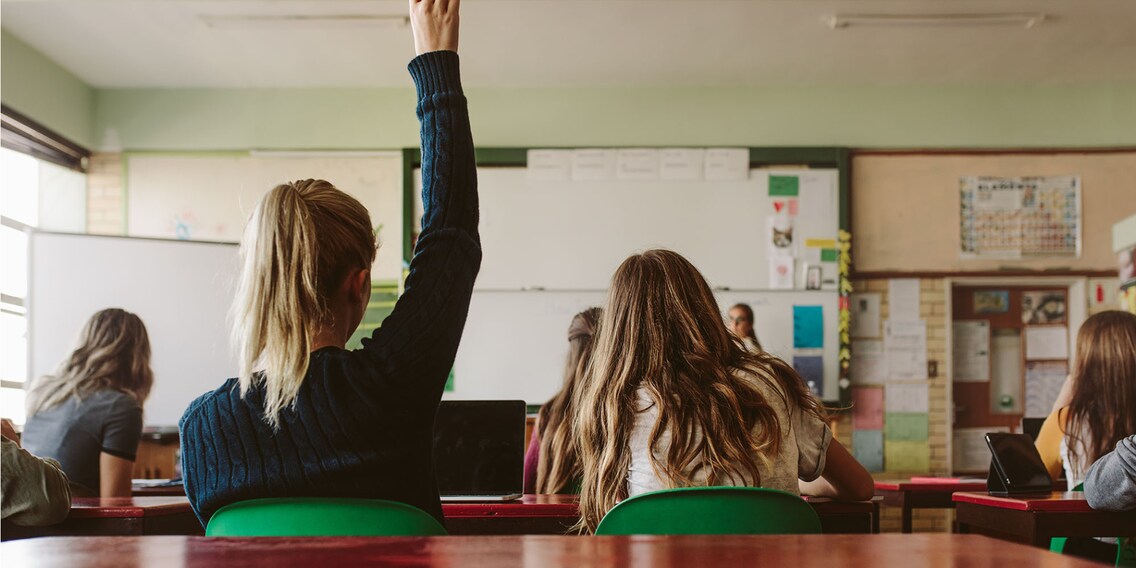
<point>551,465</point>
<point>669,384</point>
<point>740,321</point>
<point>88,415</point>
<point>319,420</point>
<point>35,490</point>
<point>1102,402</point>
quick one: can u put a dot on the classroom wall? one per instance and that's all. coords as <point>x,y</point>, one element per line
<point>106,201</point>
<point>39,88</point>
<point>856,116</point>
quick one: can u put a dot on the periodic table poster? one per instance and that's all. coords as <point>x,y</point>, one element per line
<point>1020,217</point>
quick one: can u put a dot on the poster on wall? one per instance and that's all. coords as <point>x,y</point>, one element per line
<point>1018,217</point>
<point>1043,307</point>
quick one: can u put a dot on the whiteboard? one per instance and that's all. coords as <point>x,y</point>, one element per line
<point>209,197</point>
<point>181,290</point>
<point>515,342</point>
<point>572,235</point>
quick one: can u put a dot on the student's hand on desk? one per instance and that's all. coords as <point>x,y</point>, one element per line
<point>435,25</point>
<point>8,430</point>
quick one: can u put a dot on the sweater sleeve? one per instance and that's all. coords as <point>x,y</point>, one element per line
<point>417,343</point>
<point>1049,443</point>
<point>1111,482</point>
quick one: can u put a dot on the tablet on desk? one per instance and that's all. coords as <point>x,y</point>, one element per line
<point>1016,466</point>
<point>479,450</point>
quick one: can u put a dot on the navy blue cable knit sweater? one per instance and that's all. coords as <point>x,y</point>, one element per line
<point>363,421</point>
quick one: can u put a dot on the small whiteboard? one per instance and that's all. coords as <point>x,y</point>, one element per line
<point>181,290</point>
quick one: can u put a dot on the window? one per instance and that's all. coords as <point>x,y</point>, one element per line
<point>34,193</point>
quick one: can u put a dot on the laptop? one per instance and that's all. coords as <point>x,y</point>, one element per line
<point>1016,466</point>
<point>479,450</point>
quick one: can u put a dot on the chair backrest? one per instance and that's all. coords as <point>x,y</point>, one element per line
<point>318,516</point>
<point>711,510</point>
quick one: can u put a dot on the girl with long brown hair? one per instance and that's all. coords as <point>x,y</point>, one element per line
<point>1102,404</point>
<point>88,415</point>
<point>305,417</point>
<point>671,399</point>
<point>551,465</point>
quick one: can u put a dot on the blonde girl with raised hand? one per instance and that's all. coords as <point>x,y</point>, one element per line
<point>672,400</point>
<point>305,417</point>
<point>88,415</point>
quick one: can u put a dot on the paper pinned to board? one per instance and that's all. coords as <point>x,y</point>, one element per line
<point>969,450</point>
<point>637,164</point>
<point>867,408</point>
<point>726,164</point>
<point>784,185</point>
<point>869,361</point>
<point>549,165</point>
<point>781,269</point>
<point>811,369</point>
<point>593,164</point>
<point>681,164</point>
<point>1047,342</point>
<point>868,449</point>
<point>865,315</point>
<point>808,327</point>
<point>970,356</point>
<point>1044,380</point>
<point>906,398</point>
<point>911,426</point>
<point>906,347</point>
<point>904,455</point>
<point>903,299</point>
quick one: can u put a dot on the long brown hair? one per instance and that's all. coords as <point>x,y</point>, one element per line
<point>1102,410</point>
<point>559,467</point>
<point>113,353</point>
<point>301,241</point>
<point>661,330</point>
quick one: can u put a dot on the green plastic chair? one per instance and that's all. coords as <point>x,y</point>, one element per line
<point>711,510</point>
<point>317,516</point>
<point>1125,547</point>
<point>1057,543</point>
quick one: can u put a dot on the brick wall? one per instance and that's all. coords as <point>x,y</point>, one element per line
<point>106,205</point>
<point>933,310</point>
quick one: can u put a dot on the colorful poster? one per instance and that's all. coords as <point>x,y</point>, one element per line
<point>868,449</point>
<point>808,327</point>
<point>1043,307</point>
<point>1020,217</point>
<point>811,369</point>
<point>867,408</point>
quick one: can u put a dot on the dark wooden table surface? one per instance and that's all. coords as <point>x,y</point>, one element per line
<point>927,493</point>
<point>127,516</point>
<point>827,551</point>
<point>1036,518</point>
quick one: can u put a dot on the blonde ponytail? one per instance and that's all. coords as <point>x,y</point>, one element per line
<point>301,241</point>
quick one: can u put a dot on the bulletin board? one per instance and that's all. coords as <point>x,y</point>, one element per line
<point>551,246</point>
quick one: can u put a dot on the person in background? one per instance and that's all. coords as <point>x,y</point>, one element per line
<point>1102,399</point>
<point>1110,484</point>
<point>671,400</point>
<point>305,417</point>
<point>88,415</point>
<point>35,490</point>
<point>551,465</point>
<point>740,319</point>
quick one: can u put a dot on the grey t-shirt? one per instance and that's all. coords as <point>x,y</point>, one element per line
<point>76,431</point>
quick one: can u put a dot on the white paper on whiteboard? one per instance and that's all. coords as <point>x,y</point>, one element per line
<point>1048,342</point>
<point>593,164</point>
<point>549,165</point>
<point>637,164</point>
<point>970,357</point>
<point>903,299</point>
<point>906,398</point>
<point>681,164</point>
<point>727,164</point>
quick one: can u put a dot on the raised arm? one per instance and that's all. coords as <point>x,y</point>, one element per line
<point>421,335</point>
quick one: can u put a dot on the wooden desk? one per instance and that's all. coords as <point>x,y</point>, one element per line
<point>911,495</point>
<point>130,516</point>
<point>1034,519</point>
<point>908,551</point>
<point>555,514</point>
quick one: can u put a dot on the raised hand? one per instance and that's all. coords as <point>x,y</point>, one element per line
<point>435,25</point>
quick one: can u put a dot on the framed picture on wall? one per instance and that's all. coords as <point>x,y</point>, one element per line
<point>992,301</point>
<point>1043,307</point>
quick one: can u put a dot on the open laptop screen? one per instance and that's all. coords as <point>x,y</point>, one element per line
<point>479,447</point>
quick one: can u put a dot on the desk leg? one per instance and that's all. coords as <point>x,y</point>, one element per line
<point>906,517</point>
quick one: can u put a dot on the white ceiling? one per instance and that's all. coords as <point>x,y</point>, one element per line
<point>166,43</point>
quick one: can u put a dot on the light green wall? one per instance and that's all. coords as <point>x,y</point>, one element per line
<point>869,116</point>
<point>39,88</point>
